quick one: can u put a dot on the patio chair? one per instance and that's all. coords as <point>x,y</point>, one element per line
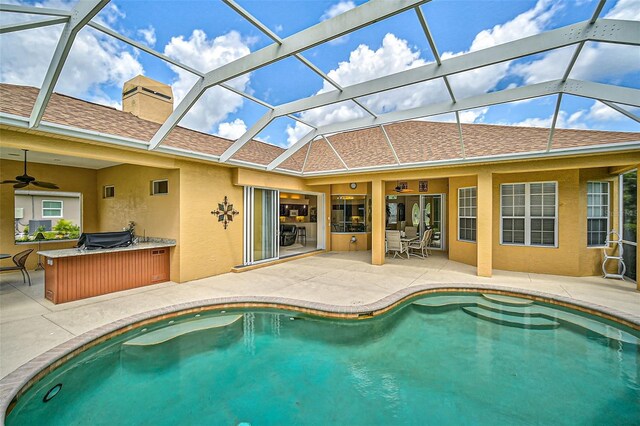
<point>20,260</point>
<point>395,244</point>
<point>421,248</point>
<point>411,231</point>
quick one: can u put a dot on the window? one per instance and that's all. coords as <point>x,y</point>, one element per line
<point>55,214</point>
<point>529,214</point>
<point>348,213</point>
<point>109,191</point>
<point>467,214</point>
<point>51,208</point>
<point>597,213</point>
<point>159,187</point>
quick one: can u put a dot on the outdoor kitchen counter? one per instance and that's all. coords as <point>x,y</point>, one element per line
<point>54,254</point>
<point>73,274</point>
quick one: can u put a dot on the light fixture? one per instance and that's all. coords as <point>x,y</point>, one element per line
<point>353,185</point>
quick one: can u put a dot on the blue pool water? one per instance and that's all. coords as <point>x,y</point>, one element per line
<point>433,364</point>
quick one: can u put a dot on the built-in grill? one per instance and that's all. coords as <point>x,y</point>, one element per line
<point>105,240</point>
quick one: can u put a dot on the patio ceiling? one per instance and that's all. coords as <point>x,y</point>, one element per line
<point>595,29</point>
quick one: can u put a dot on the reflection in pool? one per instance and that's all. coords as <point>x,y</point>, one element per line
<point>467,359</point>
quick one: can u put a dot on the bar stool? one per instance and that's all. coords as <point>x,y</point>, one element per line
<point>302,235</point>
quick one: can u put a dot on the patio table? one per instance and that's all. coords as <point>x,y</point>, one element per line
<point>406,241</point>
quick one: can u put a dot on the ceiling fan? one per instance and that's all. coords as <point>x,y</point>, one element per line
<point>25,179</point>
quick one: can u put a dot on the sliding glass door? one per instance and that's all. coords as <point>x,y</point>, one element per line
<point>629,221</point>
<point>261,225</point>
<point>433,216</point>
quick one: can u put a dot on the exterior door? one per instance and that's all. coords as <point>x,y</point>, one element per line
<point>629,221</point>
<point>433,215</point>
<point>261,227</point>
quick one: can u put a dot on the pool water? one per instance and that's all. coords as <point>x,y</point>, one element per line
<point>418,365</point>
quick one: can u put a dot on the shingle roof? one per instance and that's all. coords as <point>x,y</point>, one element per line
<point>62,109</point>
<point>413,141</point>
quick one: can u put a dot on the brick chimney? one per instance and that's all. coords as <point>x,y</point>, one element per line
<point>147,99</point>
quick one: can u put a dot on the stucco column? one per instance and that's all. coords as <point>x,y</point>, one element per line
<point>377,222</point>
<point>484,219</point>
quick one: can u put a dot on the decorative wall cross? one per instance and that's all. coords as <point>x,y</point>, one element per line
<point>225,212</point>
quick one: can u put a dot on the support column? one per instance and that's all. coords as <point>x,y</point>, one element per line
<point>484,215</point>
<point>377,221</point>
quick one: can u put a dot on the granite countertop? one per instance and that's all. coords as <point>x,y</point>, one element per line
<point>158,243</point>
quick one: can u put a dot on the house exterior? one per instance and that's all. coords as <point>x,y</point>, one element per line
<point>503,199</point>
<point>43,206</point>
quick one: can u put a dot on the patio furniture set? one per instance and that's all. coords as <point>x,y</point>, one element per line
<point>408,242</point>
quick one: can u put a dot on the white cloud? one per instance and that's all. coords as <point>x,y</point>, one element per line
<point>148,35</point>
<point>597,61</point>
<point>279,28</point>
<point>205,54</point>
<point>232,130</point>
<point>481,80</point>
<point>602,112</point>
<point>625,9</point>
<point>337,9</point>
<point>94,62</point>
<point>396,55</point>
<point>565,120</point>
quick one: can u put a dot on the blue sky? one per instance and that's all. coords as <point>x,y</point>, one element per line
<point>208,34</point>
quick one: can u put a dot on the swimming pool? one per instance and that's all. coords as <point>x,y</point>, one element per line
<point>443,358</point>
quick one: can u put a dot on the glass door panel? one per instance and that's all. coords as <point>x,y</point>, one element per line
<point>432,207</point>
<point>265,238</point>
<point>261,225</point>
<point>629,221</point>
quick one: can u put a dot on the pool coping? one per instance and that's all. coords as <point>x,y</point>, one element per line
<point>16,383</point>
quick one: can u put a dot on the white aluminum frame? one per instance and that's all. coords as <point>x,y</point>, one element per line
<point>594,30</point>
<point>621,216</point>
<point>49,208</point>
<point>104,191</point>
<point>468,217</point>
<point>608,217</point>
<point>248,228</point>
<point>527,216</point>
<point>153,187</point>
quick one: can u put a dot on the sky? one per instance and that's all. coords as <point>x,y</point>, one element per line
<point>206,34</point>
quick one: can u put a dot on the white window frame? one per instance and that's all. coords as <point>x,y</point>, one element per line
<point>474,217</point>
<point>104,191</point>
<point>608,217</point>
<point>527,215</point>
<point>49,208</point>
<point>153,182</point>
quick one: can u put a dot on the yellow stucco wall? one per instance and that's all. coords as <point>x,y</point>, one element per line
<point>69,179</point>
<point>563,260</point>
<point>206,248</point>
<point>460,251</point>
<point>155,215</point>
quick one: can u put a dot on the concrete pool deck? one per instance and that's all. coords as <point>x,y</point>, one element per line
<point>31,325</point>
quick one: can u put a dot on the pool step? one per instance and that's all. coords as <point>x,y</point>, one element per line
<point>447,301</point>
<point>171,332</point>
<point>516,311</point>
<point>507,300</point>
<point>527,321</point>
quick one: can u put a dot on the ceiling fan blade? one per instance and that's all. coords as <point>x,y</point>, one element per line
<point>10,181</point>
<point>45,184</point>
<point>20,185</point>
